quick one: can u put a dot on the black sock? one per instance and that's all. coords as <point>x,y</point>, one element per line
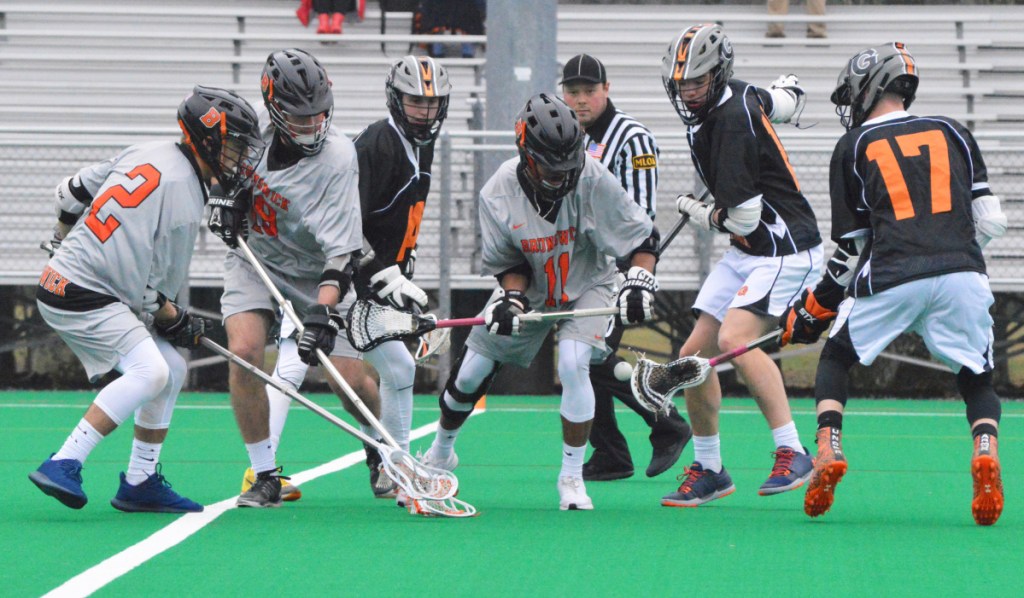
<point>984,429</point>
<point>830,419</point>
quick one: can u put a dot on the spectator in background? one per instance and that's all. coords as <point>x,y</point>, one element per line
<point>455,17</point>
<point>330,13</point>
<point>781,7</point>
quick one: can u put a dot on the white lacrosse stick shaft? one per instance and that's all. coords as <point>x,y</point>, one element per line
<point>325,361</point>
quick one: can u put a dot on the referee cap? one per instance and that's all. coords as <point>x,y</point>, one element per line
<point>586,68</point>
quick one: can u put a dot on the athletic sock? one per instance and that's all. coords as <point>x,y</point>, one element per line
<point>786,435</point>
<point>572,461</point>
<point>142,464</point>
<point>444,441</point>
<point>80,443</point>
<point>261,456</point>
<point>707,450</point>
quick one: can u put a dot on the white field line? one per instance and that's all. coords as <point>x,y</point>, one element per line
<point>179,530</point>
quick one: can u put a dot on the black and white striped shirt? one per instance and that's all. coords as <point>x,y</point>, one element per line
<point>626,148</point>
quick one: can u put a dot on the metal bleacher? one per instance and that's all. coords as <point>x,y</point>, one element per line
<point>81,78</point>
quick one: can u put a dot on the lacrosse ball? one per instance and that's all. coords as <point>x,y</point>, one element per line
<point>623,371</point>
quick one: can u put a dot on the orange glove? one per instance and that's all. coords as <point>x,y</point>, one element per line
<point>805,320</point>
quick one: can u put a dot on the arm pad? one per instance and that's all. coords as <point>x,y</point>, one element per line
<point>788,99</point>
<point>651,244</point>
<point>744,218</point>
<point>71,200</point>
<point>338,273</point>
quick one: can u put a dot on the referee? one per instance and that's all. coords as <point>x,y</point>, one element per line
<point>627,149</point>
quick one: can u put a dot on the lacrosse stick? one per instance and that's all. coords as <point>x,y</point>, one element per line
<point>369,324</point>
<point>442,484</point>
<point>435,342</point>
<point>654,384</point>
<point>421,482</point>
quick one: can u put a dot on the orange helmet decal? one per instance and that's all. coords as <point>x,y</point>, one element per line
<point>211,118</point>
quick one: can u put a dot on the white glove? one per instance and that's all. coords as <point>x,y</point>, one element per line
<point>699,212</point>
<point>636,299</point>
<point>788,98</point>
<point>989,220</point>
<point>391,287</point>
<point>152,300</point>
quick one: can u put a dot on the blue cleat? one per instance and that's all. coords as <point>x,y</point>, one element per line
<point>61,479</point>
<point>152,496</point>
<point>791,470</point>
<point>699,486</point>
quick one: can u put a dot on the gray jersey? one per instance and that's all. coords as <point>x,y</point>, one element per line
<point>307,213</point>
<point>596,223</point>
<point>141,227</point>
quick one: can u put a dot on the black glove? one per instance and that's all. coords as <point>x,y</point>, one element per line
<point>502,315</point>
<point>228,215</point>
<point>320,328</point>
<point>636,298</point>
<point>184,330</point>
<point>805,320</point>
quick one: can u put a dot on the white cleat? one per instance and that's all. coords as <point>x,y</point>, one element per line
<point>573,495</point>
<point>431,459</point>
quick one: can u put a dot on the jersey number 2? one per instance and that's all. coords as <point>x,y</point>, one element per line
<point>554,278</point>
<point>126,199</point>
<point>880,152</point>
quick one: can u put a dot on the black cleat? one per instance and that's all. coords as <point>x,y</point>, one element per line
<point>265,492</point>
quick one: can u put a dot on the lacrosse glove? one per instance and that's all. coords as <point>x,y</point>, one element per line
<point>502,315</point>
<point>184,330</point>
<point>391,288</point>
<point>805,320</point>
<point>228,218</point>
<point>320,329</point>
<point>698,211</point>
<point>636,298</point>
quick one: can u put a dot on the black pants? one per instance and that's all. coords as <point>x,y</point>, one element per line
<point>605,436</point>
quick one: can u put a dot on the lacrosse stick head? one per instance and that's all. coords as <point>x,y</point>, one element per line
<point>450,507</point>
<point>370,324</point>
<point>435,342</point>
<point>417,480</point>
<point>654,384</point>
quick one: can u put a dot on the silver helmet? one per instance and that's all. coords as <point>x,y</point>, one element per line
<point>870,73</point>
<point>695,52</point>
<point>423,77</point>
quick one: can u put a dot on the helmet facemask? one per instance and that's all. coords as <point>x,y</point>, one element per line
<point>306,133</point>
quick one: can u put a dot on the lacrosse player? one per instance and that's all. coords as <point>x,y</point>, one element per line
<point>305,230</point>
<point>911,212</point>
<point>553,221</point>
<point>775,248</point>
<point>395,158</point>
<point>105,289</point>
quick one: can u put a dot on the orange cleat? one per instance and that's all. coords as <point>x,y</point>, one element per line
<point>829,468</point>
<point>987,505</point>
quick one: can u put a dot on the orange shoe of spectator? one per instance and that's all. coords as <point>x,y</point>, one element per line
<point>336,20</point>
<point>302,12</point>
<point>362,10</point>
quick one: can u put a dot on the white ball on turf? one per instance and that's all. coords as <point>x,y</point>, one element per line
<point>623,371</point>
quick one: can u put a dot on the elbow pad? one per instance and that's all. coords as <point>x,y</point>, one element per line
<point>788,99</point>
<point>338,273</point>
<point>843,264</point>
<point>71,200</point>
<point>651,245</point>
<point>989,220</point>
<point>744,218</point>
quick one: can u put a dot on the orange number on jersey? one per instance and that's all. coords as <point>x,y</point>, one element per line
<point>104,228</point>
<point>554,279</point>
<point>266,217</point>
<point>881,153</point>
<point>412,230</point>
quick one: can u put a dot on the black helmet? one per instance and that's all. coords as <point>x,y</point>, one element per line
<point>549,135</point>
<point>418,76</point>
<point>295,84</point>
<point>223,130</point>
<point>869,74</point>
<point>695,52</point>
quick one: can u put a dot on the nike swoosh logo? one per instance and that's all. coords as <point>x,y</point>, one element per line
<point>145,459</point>
<point>518,226</point>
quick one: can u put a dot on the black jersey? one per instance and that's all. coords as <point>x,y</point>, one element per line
<point>394,179</point>
<point>739,157</point>
<point>908,182</point>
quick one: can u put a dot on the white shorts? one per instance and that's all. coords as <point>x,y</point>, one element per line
<point>244,291</point>
<point>950,312</point>
<point>763,285</point>
<point>520,350</point>
<point>99,338</point>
